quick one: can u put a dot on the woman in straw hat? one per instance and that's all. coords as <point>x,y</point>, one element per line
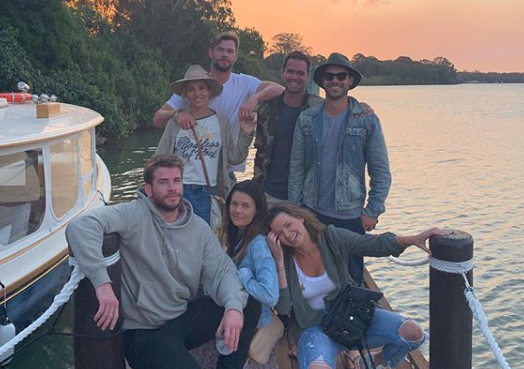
<point>212,133</point>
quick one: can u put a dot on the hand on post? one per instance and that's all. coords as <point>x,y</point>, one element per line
<point>107,314</point>
<point>419,240</point>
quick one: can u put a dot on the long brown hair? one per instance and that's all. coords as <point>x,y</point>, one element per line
<point>313,226</point>
<point>229,232</point>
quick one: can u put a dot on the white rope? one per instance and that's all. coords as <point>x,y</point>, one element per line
<point>482,322</point>
<point>474,304</point>
<point>415,262</point>
<point>451,267</point>
<point>58,301</point>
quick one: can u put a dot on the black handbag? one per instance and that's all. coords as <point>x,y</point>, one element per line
<point>349,317</point>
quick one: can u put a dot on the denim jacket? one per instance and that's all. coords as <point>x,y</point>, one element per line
<point>362,143</point>
<point>257,272</point>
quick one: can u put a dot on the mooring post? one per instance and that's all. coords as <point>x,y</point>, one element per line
<point>94,348</point>
<point>450,316</point>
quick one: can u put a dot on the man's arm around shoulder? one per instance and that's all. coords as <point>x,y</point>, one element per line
<point>162,115</point>
<point>266,91</point>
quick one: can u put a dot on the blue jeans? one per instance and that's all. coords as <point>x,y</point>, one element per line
<point>198,196</point>
<point>383,331</point>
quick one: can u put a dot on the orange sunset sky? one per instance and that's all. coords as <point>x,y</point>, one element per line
<point>485,35</point>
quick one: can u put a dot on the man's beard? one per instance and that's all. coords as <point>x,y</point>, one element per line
<point>336,97</point>
<point>217,66</point>
<point>162,205</point>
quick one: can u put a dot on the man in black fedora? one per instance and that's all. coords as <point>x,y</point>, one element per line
<point>333,145</point>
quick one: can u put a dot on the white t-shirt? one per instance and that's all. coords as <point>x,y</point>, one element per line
<point>315,288</point>
<point>208,130</point>
<point>237,89</point>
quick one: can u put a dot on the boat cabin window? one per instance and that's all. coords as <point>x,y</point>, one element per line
<point>22,195</point>
<point>64,176</point>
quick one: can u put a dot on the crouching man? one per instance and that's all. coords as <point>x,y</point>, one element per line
<point>166,252</point>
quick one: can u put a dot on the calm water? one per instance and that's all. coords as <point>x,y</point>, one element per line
<point>457,156</point>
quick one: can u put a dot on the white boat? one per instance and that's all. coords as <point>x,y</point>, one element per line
<point>49,175</point>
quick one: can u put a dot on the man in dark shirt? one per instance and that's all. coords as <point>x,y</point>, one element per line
<point>276,126</point>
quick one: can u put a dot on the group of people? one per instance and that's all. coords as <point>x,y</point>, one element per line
<point>291,239</point>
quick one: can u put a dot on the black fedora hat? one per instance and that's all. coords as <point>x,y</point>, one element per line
<point>340,60</point>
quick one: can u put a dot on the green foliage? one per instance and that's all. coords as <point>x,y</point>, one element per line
<point>84,63</point>
<point>284,43</point>
<point>404,71</point>
<point>490,77</point>
<point>252,43</point>
<point>16,64</point>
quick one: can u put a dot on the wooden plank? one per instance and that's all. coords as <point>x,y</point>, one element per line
<point>284,345</point>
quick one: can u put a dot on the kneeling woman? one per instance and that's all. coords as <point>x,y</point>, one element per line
<point>242,233</point>
<point>312,269</point>
<point>206,157</point>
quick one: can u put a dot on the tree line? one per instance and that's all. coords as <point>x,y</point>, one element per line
<point>118,56</point>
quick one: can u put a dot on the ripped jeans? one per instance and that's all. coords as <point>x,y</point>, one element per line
<point>315,346</point>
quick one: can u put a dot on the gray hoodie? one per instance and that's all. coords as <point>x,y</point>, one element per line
<point>162,264</point>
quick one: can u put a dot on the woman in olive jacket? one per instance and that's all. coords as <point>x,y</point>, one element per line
<point>311,264</point>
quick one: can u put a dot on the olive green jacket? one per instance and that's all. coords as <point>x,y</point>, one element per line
<point>266,122</point>
<point>336,244</point>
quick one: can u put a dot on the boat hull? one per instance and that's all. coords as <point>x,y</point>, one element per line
<point>50,175</point>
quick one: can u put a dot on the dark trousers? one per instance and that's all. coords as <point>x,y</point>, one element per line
<point>355,263</point>
<point>167,347</point>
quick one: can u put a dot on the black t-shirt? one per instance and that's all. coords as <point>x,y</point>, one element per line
<point>278,173</point>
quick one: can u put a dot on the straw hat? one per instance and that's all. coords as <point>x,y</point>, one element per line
<point>340,60</point>
<point>197,73</point>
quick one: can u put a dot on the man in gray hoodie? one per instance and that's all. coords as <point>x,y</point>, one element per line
<point>166,252</point>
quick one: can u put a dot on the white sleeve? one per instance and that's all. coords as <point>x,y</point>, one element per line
<point>251,83</point>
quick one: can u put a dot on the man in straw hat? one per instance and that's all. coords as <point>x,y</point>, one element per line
<point>242,92</point>
<point>332,146</point>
